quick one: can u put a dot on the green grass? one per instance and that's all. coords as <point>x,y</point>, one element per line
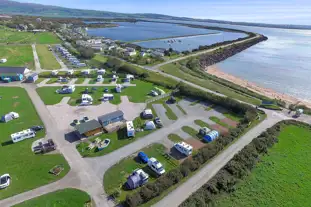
<point>218,121</point>
<point>169,112</point>
<point>136,94</point>
<point>27,170</point>
<point>61,198</point>
<point>79,81</point>
<point>12,36</point>
<point>117,140</point>
<point>192,132</point>
<point>181,109</point>
<point>46,58</point>
<point>117,175</point>
<point>98,61</point>
<point>271,107</point>
<point>282,177</point>
<point>201,123</point>
<point>175,138</point>
<point>39,80</point>
<point>52,80</point>
<point>93,81</point>
<point>17,56</point>
<point>233,116</point>
<point>209,84</point>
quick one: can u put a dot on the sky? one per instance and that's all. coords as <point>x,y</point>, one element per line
<point>264,11</point>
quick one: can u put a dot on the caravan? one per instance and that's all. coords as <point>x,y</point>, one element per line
<point>19,136</point>
<point>183,148</point>
<point>86,100</point>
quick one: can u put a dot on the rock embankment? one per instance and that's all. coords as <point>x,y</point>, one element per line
<point>219,55</point>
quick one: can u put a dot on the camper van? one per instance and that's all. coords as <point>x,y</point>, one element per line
<point>86,100</point>
<point>19,136</point>
<point>183,148</point>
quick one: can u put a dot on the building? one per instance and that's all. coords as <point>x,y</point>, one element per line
<point>25,134</point>
<point>157,54</point>
<point>32,78</point>
<point>130,129</point>
<point>143,54</point>
<point>116,116</point>
<point>88,129</point>
<point>137,179</point>
<point>101,72</point>
<point>13,73</point>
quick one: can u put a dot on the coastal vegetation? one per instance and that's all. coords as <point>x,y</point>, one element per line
<point>270,162</point>
<point>60,198</point>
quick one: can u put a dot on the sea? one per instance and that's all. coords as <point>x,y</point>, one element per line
<point>282,63</point>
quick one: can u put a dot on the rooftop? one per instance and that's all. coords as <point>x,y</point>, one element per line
<point>10,70</point>
<point>88,126</point>
<point>110,116</point>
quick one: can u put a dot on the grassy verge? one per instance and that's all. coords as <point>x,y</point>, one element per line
<point>218,121</point>
<point>181,109</point>
<point>169,112</point>
<point>27,170</point>
<point>192,132</point>
<point>116,176</point>
<point>52,80</point>
<point>39,80</point>
<point>271,107</point>
<point>201,123</point>
<point>46,58</point>
<point>175,138</point>
<point>67,197</point>
<point>17,56</point>
<point>79,81</point>
<point>281,178</point>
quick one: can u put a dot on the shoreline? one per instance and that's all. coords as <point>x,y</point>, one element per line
<point>270,93</point>
<point>175,37</point>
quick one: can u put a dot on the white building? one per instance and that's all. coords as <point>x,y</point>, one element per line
<point>157,54</point>
<point>133,53</point>
<point>86,100</point>
<point>95,41</point>
<point>25,134</point>
<point>183,148</point>
<point>130,129</point>
<point>118,88</point>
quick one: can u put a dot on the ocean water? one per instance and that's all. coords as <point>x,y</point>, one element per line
<point>282,63</point>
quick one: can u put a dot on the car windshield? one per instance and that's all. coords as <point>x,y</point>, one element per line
<point>3,180</point>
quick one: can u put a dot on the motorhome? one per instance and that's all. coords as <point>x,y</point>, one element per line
<point>183,148</point>
<point>130,129</point>
<point>25,134</point>
<point>86,100</point>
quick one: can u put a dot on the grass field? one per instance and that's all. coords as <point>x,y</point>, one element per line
<point>181,109</point>
<point>27,170</point>
<point>79,81</point>
<point>281,178</point>
<point>136,94</point>
<point>98,61</point>
<point>233,116</point>
<point>61,198</point>
<point>12,36</point>
<point>175,138</point>
<point>116,176</point>
<point>17,56</point>
<point>218,121</point>
<point>201,123</point>
<point>209,84</point>
<point>192,132</point>
<point>46,58</point>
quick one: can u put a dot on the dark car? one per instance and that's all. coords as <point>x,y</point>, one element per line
<point>106,90</point>
<point>37,128</point>
<point>143,157</point>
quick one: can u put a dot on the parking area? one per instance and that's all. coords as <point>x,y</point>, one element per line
<point>64,114</point>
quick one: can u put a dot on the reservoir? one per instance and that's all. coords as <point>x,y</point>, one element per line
<point>144,31</point>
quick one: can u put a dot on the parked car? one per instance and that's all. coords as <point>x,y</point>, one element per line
<point>37,128</point>
<point>106,90</point>
<point>143,157</point>
<point>5,181</point>
<point>158,122</point>
<point>156,166</point>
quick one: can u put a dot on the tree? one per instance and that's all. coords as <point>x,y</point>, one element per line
<point>86,53</point>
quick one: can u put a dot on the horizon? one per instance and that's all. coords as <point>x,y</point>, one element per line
<point>263,11</point>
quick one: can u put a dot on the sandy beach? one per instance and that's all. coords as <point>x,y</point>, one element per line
<point>213,70</point>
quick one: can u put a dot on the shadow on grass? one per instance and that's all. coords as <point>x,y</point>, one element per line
<point>176,154</point>
<point>7,143</point>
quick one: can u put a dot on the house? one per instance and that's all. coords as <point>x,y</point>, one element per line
<point>118,88</point>
<point>116,116</point>
<point>133,53</point>
<point>88,129</point>
<point>137,179</point>
<point>130,129</point>
<point>147,114</point>
<point>86,100</point>
<point>157,54</point>
<point>3,60</point>
<point>10,116</point>
<point>81,64</point>
<point>66,89</point>
<point>13,73</point>
<point>94,41</point>
<point>32,78</point>
<point>107,97</point>
<point>25,134</point>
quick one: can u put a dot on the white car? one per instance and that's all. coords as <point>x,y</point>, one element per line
<point>156,166</point>
<point>5,181</point>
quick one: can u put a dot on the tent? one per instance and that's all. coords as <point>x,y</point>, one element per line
<point>10,116</point>
<point>149,125</point>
